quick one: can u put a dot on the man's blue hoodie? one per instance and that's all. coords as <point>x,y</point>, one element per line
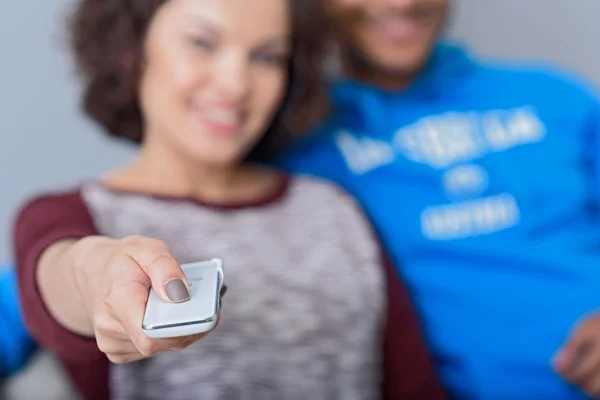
<point>483,184</point>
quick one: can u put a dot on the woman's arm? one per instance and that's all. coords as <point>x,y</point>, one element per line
<point>77,285</point>
<point>41,224</point>
<point>46,229</point>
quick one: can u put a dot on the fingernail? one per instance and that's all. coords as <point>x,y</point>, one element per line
<point>176,290</point>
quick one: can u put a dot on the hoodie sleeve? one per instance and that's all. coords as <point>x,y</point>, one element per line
<point>592,147</point>
<point>16,345</point>
<point>584,110</point>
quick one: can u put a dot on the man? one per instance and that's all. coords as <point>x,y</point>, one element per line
<point>15,343</point>
<point>483,184</point>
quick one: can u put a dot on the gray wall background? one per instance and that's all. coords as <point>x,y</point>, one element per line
<point>45,143</point>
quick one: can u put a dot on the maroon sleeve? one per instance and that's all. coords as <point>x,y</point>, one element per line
<point>409,371</point>
<point>41,223</point>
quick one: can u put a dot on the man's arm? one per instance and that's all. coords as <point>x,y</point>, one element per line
<point>16,345</point>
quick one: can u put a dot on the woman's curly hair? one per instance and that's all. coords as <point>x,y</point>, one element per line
<point>108,40</point>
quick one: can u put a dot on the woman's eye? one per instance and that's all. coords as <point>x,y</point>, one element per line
<point>203,44</point>
<point>272,59</point>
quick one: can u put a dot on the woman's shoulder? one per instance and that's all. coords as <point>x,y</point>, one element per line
<point>62,197</point>
<point>58,212</point>
<point>51,204</point>
<point>77,199</point>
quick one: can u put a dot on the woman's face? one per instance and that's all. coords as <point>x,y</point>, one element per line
<point>214,75</point>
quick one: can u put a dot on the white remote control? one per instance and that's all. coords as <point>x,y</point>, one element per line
<point>197,315</point>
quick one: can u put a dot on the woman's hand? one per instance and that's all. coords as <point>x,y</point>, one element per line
<point>113,278</point>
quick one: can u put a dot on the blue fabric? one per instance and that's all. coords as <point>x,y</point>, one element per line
<point>482,181</point>
<point>15,343</point>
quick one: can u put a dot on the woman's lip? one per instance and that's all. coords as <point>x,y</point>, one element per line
<point>224,120</point>
<point>219,127</point>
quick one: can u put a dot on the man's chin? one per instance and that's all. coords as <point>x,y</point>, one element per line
<point>399,65</point>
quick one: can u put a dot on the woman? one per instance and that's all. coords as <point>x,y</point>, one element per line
<point>204,87</point>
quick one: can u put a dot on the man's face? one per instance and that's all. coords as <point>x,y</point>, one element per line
<point>392,36</point>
